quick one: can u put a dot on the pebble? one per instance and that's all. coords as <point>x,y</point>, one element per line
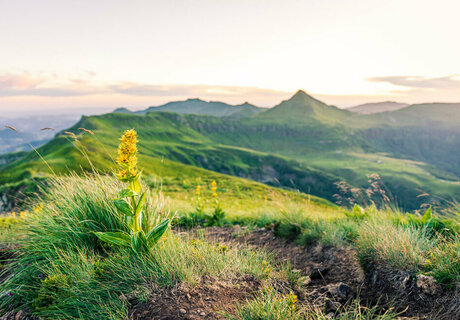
<point>19,315</point>
<point>182,311</point>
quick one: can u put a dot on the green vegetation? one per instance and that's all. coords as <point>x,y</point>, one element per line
<point>301,144</point>
<point>63,271</point>
<point>75,257</point>
<point>272,305</point>
<point>142,236</point>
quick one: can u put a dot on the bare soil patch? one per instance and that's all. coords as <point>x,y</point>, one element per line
<point>208,299</point>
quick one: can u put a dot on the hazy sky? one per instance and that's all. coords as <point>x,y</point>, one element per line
<point>86,53</point>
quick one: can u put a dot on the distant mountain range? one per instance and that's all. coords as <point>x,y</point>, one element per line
<point>302,144</point>
<point>376,107</point>
<point>198,106</point>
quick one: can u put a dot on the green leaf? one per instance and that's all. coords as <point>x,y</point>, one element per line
<point>126,193</point>
<point>130,221</point>
<point>138,241</point>
<point>155,234</point>
<point>140,203</point>
<point>140,219</point>
<point>427,216</point>
<point>116,238</point>
<point>123,207</point>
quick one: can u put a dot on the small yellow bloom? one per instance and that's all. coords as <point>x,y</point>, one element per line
<point>214,189</point>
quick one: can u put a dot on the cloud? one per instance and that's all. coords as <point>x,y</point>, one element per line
<point>17,85</point>
<point>451,82</point>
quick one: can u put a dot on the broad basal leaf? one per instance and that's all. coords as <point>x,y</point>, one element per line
<point>155,234</point>
<point>116,238</point>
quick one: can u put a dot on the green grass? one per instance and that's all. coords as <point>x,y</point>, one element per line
<point>64,272</point>
<point>9,228</point>
<point>271,305</point>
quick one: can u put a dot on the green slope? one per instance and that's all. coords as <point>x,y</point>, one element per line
<point>301,144</point>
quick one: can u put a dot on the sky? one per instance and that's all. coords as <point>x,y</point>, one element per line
<point>92,55</point>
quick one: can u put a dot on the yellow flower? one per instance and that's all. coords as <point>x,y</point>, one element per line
<point>198,188</point>
<point>127,158</point>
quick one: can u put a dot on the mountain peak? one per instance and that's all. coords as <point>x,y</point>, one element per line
<point>303,98</point>
<point>300,94</point>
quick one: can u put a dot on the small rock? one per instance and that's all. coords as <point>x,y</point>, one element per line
<point>182,311</point>
<point>202,314</point>
<point>317,272</point>
<point>19,315</point>
<point>340,291</point>
<point>427,284</point>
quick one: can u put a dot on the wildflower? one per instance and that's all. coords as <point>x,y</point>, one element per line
<point>127,159</point>
<point>10,294</point>
<point>291,299</point>
<point>198,188</point>
<point>214,189</point>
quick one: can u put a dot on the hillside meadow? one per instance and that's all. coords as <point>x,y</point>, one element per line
<point>233,248</point>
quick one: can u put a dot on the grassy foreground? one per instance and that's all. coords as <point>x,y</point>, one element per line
<point>64,272</point>
<point>84,250</point>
